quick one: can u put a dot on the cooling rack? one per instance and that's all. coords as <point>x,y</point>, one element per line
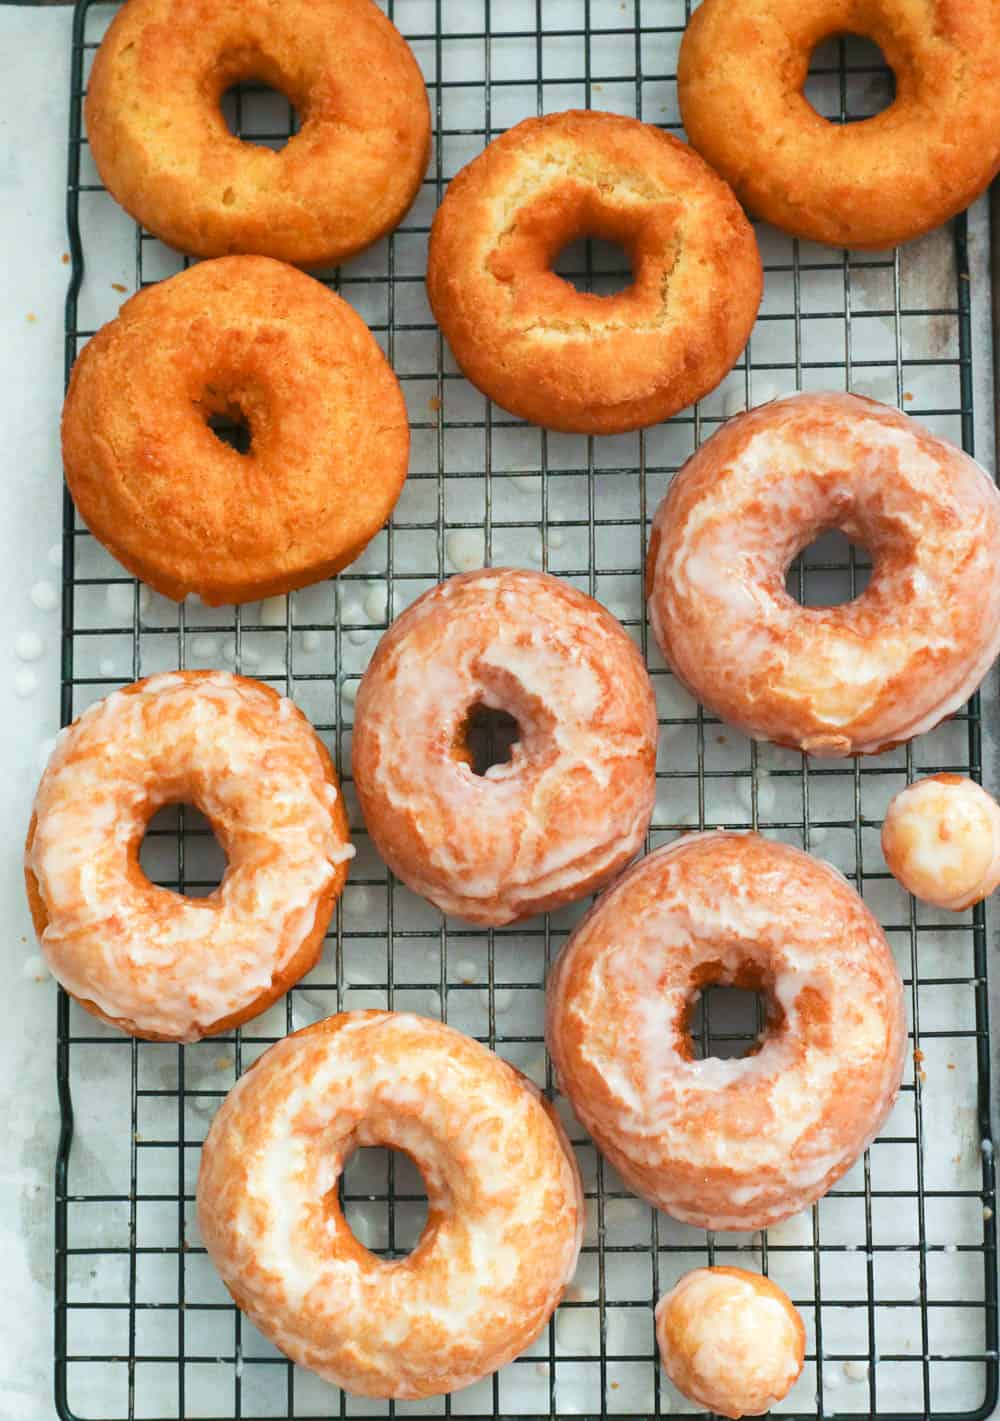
<point>895,1270</point>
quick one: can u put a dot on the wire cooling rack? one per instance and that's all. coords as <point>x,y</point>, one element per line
<point>895,1270</point>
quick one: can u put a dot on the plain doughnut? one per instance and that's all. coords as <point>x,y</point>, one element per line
<point>251,339</point>
<point>505,1215</point>
<point>729,1144</point>
<point>158,964</point>
<point>568,359</point>
<point>729,1340</point>
<point>163,150</point>
<point>941,839</point>
<point>570,807</point>
<point>843,680</point>
<point>884,180</point>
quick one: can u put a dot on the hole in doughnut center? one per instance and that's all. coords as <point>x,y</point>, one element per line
<point>830,572</point>
<point>486,738</point>
<point>849,79</point>
<point>384,1201</point>
<point>258,113</point>
<point>181,853</point>
<point>592,264</point>
<point>232,429</point>
<point>726,1022</point>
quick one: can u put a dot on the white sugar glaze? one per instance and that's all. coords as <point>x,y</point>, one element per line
<point>573,803</point>
<point>850,679</point>
<point>941,839</point>
<point>161,963</point>
<point>728,1144</point>
<point>505,1205</point>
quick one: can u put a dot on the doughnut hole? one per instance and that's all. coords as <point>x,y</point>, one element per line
<point>727,1015</point>
<point>261,115</point>
<point>232,415</point>
<point>540,256</point>
<point>486,738</point>
<point>849,79</point>
<point>383,1198</point>
<point>180,852</point>
<point>592,265</point>
<point>830,571</point>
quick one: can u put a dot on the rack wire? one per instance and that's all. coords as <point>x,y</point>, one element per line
<point>895,1270</point>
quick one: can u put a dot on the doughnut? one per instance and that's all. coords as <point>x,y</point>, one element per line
<point>846,680</point>
<point>570,807</point>
<point>505,1204</point>
<point>245,338</point>
<point>875,183</point>
<point>729,1340</point>
<point>729,1144</point>
<point>941,839</point>
<point>571,360</point>
<point>163,150</point>
<point>161,965</point>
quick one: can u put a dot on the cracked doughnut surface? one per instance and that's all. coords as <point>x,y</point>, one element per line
<point>571,360</point>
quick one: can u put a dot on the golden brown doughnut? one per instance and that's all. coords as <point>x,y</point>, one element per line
<point>505,1204</point>
<point>162,965</point>
<point>244,337</point>
<point>163,149</point>
<point>730,1340</point>
<point>571,360</point>
<point>742,69</point>
<point>843,680</point>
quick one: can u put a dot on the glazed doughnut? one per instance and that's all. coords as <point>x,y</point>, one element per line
<point>505,1204</point>
<point>248,338</point>
<point>158,964</point>
<point>740,80</point>
<point>941,839</point>
<point>846,680</point>
<point>729,1340</point>
<point>573,803</point>
<point>729,1144</point>
<point>163,150</point>
<point>571,360</point>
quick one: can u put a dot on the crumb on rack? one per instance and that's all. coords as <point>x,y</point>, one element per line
<point>118,286</point>
<point>434,404</point>
<point>65,258</point>
<point>918,1055</point>
<point>31,318</point>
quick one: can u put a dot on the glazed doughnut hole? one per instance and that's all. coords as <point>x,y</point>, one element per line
<point>727,1022</point>
<point>486,738</point>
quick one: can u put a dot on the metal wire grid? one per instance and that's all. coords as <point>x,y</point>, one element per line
<point>159,1333</point>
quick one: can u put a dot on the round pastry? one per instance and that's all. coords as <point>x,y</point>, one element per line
<point>161,965</point>
<point>844,680</point>
<point>572,804</point>
<point>505,1204</point>
<point>163,150</point>
<point>730,1341</point>
<point>729,1144</point>
<point>741,78</point>
<point>941,839</point>
<point>247,339</point>
<point>568,359</point>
